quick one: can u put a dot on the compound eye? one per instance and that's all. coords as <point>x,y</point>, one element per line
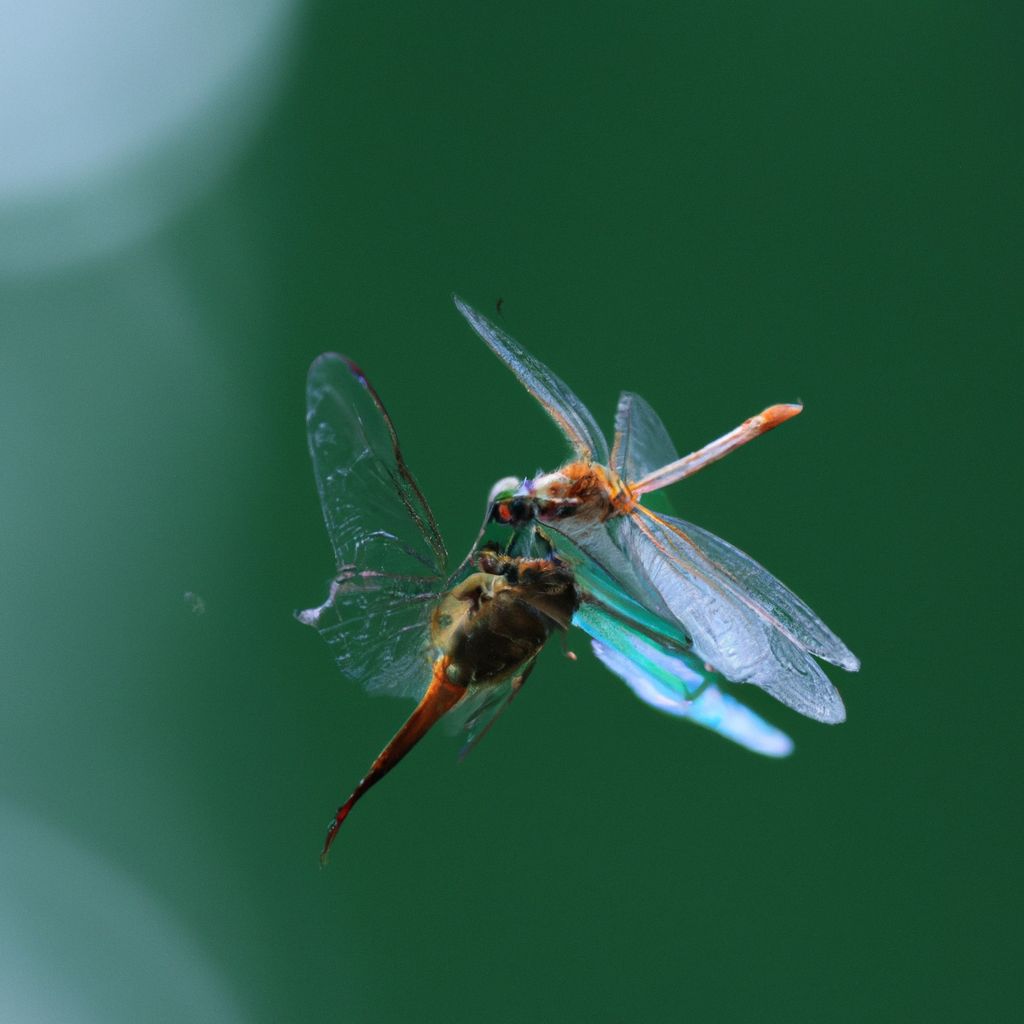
<point>521,510</point>
<point>501,513</point>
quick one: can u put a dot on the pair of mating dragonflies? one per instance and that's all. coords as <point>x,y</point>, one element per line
<point>674,611</point>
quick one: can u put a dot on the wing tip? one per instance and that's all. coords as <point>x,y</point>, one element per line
<point>778,746</point>
<point>834,713</point>
<point>326,362</point>
<point>308,616</point>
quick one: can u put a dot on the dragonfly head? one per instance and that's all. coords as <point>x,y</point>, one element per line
<point>510,502</point>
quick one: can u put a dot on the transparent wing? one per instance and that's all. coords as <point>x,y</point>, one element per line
<point>654,659</point>
<point>558,399</point>
<point>375,513</point>
<point>389,554</point>
<point>378,631</point>
<point>710,708</point>
<point>483,705</point>
<point>642,443</point>
<point>601,566</point>
<point>728,632</point>
<point>774,601</point>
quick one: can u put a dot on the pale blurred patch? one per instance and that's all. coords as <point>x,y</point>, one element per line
<point>115,116</point>
<point>82,941</point>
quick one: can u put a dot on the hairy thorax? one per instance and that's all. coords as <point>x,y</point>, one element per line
<point>583,490</point>
<point>493,622</point>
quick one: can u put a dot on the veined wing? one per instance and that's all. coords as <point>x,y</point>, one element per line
<point>601,567</point>
<point>653,658</point>
<point>389,554</point>
<point>710,708</point>
<point>642,444</point>
<point>378,629</point>
<point>776,603</point>
<point>375,513</point>
<point>560,402</point>
<point>726,631</point>
<point>483,705</point>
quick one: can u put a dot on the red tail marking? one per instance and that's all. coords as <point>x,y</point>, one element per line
<point>441,696</point>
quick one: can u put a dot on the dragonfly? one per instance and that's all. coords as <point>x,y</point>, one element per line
<point>397,621</point>
<point>462,643</point>
<point>739,617</point>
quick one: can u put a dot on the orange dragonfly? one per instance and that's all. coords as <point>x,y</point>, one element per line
<point>463,643</point>
<point>741,619</point>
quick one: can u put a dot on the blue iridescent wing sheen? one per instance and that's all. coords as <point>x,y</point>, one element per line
<point>710,707</point>
<point>569,413</point>
<point>389,554</point>
<point>653,657</point>
<point>727,630</point>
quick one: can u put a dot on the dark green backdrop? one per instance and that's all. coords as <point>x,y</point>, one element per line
<point>717,205</point>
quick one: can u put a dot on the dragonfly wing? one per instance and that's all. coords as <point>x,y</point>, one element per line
<point>642,444</point>
<point>389,554</point>
<point>600,565</point>
<point>483,705</point>
<point>375,513</point>
<point>569,413</point>
<point>722,713</point>
<point>711,708</point>
<point>651,657</point>
<point>674,677</point>
<point>379,635</point>
<point>798,681</point>
<point>726,632</point>
<point>776,603</point>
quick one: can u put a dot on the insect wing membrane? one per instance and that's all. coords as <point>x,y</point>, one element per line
<point>642,444</point>
<point>601,567</point>
<point>482,706</point>
<point>389,553</point>
<point>375,513</point>
<point>569,413</point>
<point>777,602</point>
<point>727,632</point>
<point>650,656</point>
<point>710,708</point>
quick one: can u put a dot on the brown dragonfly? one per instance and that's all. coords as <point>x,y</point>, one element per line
<point>397,621</point>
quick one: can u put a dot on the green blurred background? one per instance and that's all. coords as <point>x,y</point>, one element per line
<point>717,205</point>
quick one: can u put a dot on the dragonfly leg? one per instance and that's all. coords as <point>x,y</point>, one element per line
<point>566,649</point>
<point>441,696</point>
